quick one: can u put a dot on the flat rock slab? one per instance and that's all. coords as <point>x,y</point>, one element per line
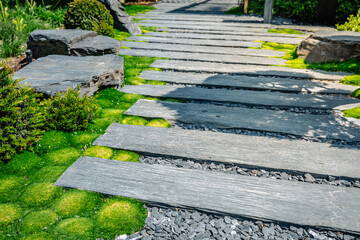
<point>247,82</point>
<point>70,42</point>
<point>196,66</point>
<point>197,42</point>
<point>281,154</point>
<point>204,57</point>
<point>192,22</point>
<point>306,204</point>
<point>227,37</point>
<point>201,18</point>
<point>202,49</point>
<point>56,73</point>
<point>257,98</point>
<point>318,126</point>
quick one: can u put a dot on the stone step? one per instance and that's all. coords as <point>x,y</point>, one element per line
<point>253,70</point>
<point>250,83</point>
<point>226,37</point>
<point>317,126</point>
<point>257,98</point>
<point>193,22</point>
<point>202,49</point>
<point>314,205</point>
<point>198,42</point>
<point>251,151</point>
<point>204,57</point>
<point>202,18</point>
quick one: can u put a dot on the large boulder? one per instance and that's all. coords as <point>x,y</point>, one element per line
<point>122,20</point>
<point>70,42</point>
<point>326,46</point>
<point>56,73</point>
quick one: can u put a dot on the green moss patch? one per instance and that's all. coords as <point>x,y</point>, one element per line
<point>356,93</point>
<point>11,187</point>
<point>76,226</point>
<point>40,236</point>
<point>37,221</point>
<point>353,113</point>
<point>82,139</point>
<point>63,156</point>
<point>9,213</point>
<point>49,173</point>
<point>133,120</point>
<point>285,31</point>
<point>40,195</point>
<point>159,123</point>
<point>99,152</point>
<point>121,36</point>
<point>137,9</point>
<point>99,125</point>
<point>51,141</point>
<point>112,114</point>
<point>121,216</point>
<point>24,163</point>
<point>351,80</point>
<point>126,156</point>
<point>76,202</point>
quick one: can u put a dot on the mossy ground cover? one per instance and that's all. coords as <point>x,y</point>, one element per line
<point>285,31</point>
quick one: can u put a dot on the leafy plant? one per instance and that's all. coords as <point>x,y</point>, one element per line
<point>69,111</point>
<point>21,118</point>
<point>11,40</point>
<point>89,15</point>
<point>353,23</point>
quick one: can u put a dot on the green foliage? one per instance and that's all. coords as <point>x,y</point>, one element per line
<point>49,173</point>
<point>11,40</point>
<point>351,80</point>
<point>37,221</point>
<point>133,120</point>
<point>89,15</point>
<point>21,118</point>
<point>52,140</point>
<point>76,226</point>
<point>121,36</point>
<point>158,123</point>
<point>9,213</point>
<point>40,195</point>
<point>356,93</point>
<point>121,216</point>
<point>24,163</point>
<point>285,31</point>
<point>353,113</point>
<point>137,9</point>
<point>126,156</point>
<point>10,187</point>
<point>82,139</point>
<point>63,156</point>
<point>352,24</point>
<point>70,112</point>
<point>99,152</point>
<point>345,8</point>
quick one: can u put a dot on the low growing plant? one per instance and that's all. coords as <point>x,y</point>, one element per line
<point>352,24</point>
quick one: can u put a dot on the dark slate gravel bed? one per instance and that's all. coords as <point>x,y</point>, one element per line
<point>232,169</point>
<point>167,223</point>
<point>203,127</point>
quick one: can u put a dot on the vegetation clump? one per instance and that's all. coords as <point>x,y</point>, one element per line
<point>40,194</point>
<point>126,156</point>
<point>99,152</point>
<point>78,226</point>
<point>89,15</point>
<point>63,156</point>
<point>9,213</point>
<point>37,221</point>
<point>352,24</point>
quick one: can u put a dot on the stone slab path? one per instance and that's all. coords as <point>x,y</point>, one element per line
<point>238,110</point>
<point>283,201</point>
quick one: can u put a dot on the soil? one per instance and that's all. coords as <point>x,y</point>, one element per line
<point>16,63</point>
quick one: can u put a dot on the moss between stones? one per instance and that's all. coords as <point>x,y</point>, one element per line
<point>354,113</point>
<point>127,156</point>
<point>63,156</point>
<point>133,120</point>
<point>37,221</point>
<point>40,195</point>
<point>11,187</point>
<point>351,80</point>
<point>99,125</point>
<point>159,123</point>
<point>24,163</point>
<point>76,202</point>
<point>112,114</point>
<point>285,31</point>
<point>99,152</point>
<point>51,141</point>
<point>82,139</point>
<point>76,226</point>
<point>9,213</point>
<point>121,215</point>
<point>49,173</point>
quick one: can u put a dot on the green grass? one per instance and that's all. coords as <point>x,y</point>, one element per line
<point>127,156</point>
<point>353,113</point>
<point>137,9</point>
<point>285,31</point>
<point>38,221</point>
<point>9,213</point>
<point>351,80</point>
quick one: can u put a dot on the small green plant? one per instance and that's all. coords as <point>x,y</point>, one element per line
<point>285,31</point>
<point>352,24</point>
<point>69,111</point>
<point>353,113</point>
<point>351,80</point>
<point>89,15</point>
<point>11,39</point>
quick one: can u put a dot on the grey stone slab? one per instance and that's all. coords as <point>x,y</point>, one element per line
<point>56,73</point>
<point>246,82</point>
<point>96,46</point>
<point>259,152</point>
<point>227,37</point>
<point>297,203</point>
<point>318,126</point>
<point>197,42</point>
<point>202,49</point>
<point>258,98</point>
<point>200,17</point>
<point>209,67</point>
<point>205,57</point>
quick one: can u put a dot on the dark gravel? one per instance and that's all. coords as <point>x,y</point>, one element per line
<point>167,223</point>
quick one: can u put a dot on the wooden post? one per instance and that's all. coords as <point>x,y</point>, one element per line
<point>246,4</point>
<point>268,11</point>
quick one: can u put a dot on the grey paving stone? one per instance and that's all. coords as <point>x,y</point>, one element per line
<point>202,49</point>
<point>56,73</point>
<point>204,57</point>
<point>240,69</point>
<point>259,198</point>
<point>319,126</point>
<point>227,37</point>
<point>260,152</point>
<point>246,82</point>
<point>96,46</point>
<point>197,42</point>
